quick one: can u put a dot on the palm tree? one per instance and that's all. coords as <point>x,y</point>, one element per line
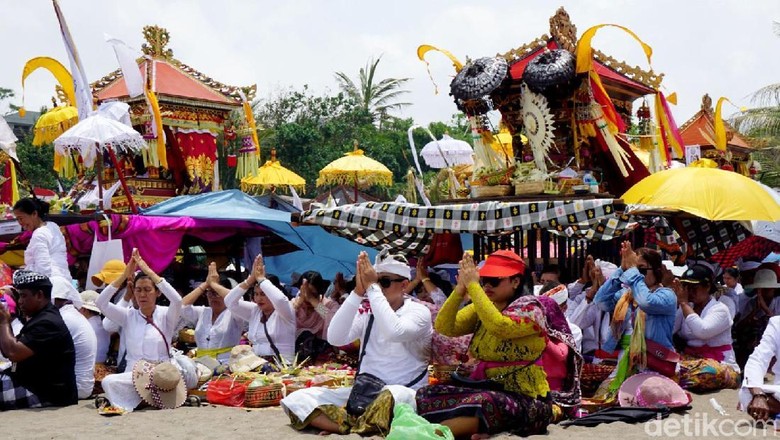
<point>762,123</point>
<point>376,97</point>
<point>764,120</point>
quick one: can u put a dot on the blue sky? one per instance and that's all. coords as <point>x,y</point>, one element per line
<point>720,47</point>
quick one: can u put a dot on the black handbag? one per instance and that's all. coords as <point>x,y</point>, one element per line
<point>365,390</point>
<point>367,386</point>
<point>465,381</point>
<point>482,384</point>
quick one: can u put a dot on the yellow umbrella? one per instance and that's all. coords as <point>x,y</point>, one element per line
<point>272,175</point>
<point>704,163</point>
<point>355,169</point>
<point>53,123</point>
<point>502,142</point>
<point>49,127</point>
<point>709,193</point>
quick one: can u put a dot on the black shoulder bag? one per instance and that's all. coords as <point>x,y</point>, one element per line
<point>367,386</point>
<point>271,341</point>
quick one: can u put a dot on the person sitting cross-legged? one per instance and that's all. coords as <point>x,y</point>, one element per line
<point>395,335</point>
<point>43,355</point>
<point>508,391</point>
<point>149,328</point>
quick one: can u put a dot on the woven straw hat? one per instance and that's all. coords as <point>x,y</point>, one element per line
<point>160,385</point>
<point>650,390</point>
<point>88,298</point>
<point>243,359</point>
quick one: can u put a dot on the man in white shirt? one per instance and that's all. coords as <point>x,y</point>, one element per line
<point>84,339</point>
<point>398,347</point>
<point>92,313</point>
<point>762,401</point>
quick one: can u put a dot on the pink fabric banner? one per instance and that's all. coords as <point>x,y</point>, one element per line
<point>157,238</point>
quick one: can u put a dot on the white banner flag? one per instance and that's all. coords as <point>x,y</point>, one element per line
<point>83,91</point>
<point>126,56</point>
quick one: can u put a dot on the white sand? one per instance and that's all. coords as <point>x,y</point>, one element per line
<point>82,422</point>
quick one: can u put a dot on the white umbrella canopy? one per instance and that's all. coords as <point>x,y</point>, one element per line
<point>770,230</point>
<point>98,132</point>
<point>7,139</point>
<point>447,152</point>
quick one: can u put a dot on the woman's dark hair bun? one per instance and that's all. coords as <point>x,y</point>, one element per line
<point>30,205</point>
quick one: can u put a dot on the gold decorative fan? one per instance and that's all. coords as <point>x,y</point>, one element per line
<point>539,125</point>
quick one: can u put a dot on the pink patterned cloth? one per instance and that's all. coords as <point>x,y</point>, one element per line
<point>157,238</point>
<point>708,352</point>
<point>444,349</point>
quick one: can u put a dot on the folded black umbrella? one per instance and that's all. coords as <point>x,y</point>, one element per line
<point>479,78</point>
<point>550,69</point>
<point>620,414</point>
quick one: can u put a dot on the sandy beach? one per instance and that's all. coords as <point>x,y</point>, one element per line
<point>82,422</point>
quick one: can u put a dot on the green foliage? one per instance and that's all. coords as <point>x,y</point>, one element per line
<point>7,94</point>
<point>377,97</point>
<point>309,131</point>
<point>37,165</point>
<point>769,158</point>
<point>762,124</point>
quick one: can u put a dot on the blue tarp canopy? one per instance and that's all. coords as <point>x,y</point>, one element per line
<point>273,201</point>
<point>319,250</point>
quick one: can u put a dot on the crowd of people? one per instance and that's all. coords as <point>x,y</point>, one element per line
<point>522,349</point>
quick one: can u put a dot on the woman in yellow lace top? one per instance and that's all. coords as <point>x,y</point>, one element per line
<point>509,338</point>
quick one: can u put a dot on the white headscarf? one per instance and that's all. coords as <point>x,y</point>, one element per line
<point>607,268</point>
<point>395,264</point>
<point>559,293</point>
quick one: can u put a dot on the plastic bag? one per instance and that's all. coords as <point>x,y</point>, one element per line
<point>407,424</point>
<point>227,391</point>
<point>102,251</point>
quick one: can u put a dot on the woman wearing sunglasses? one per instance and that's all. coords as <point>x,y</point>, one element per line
<point>510,334</point>
<point>216,329</point>
<point>643,313</point>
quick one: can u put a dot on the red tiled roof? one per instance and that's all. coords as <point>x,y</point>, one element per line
<point>43,192</point>
<point>168,81</point>
<point>518,67</point>
<point>691,132</point>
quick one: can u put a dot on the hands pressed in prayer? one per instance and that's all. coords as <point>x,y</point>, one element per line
<point>468,272</point>
<point>628,256</point>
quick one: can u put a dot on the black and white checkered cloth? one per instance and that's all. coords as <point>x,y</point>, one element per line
<point>16,397</point>
<point>407,228</point>
<point>706,238</point>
